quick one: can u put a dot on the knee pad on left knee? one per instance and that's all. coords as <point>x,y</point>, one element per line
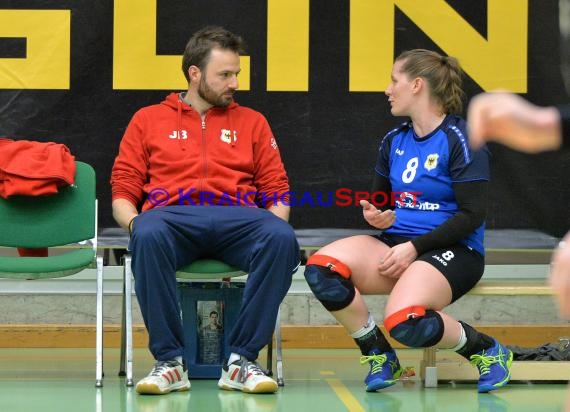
<point>415,326</point>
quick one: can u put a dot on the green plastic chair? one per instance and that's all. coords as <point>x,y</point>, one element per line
<point>68,218</point>
<point>202,269</point>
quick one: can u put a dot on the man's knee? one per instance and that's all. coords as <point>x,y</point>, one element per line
<point>149,234</point>
<point>415,326</point>
<point>145,230</point>
<point>329,280</point>
<point>283,230</point>
<point>280,238</point>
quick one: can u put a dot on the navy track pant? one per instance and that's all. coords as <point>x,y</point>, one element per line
<point>254,240</point>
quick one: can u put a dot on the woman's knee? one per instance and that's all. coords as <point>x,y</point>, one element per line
<point>415,326</point>
<point>330,282</point>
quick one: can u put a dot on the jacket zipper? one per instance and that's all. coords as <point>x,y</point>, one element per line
<point>204,158</point>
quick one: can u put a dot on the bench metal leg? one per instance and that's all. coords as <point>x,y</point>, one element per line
<point>99,326</point>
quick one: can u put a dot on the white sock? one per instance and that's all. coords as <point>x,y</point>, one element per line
<point>233,357</point>
<point>367,328</point>
<point>462,339</point>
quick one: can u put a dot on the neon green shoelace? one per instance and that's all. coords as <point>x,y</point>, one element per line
<point>377,361</point>
<point>484,362</point>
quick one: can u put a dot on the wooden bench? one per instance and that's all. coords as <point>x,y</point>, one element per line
<point>507,247</point>
<point>449,366</point>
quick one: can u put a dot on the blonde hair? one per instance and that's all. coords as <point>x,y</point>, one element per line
<point>443,74</point>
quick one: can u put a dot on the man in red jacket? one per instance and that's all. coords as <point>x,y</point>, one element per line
<point>209,181</point>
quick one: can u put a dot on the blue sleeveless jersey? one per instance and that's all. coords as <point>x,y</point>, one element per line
<point>422,172</point>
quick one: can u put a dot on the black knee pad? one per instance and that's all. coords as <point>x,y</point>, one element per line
<point>417,331</point>
<point>332,290</point>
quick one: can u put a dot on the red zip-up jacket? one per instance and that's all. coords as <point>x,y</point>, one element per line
<point>31,168</point>
<point>168,156</point>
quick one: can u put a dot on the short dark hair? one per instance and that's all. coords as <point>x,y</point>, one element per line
<point>198,48</point>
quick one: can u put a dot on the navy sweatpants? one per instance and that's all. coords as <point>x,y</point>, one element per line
<point>254,240</point>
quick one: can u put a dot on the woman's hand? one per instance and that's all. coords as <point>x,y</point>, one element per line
<point>375,217</point>
<point>397,260</point>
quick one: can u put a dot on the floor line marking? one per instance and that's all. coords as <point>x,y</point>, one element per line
<point>345,395</point>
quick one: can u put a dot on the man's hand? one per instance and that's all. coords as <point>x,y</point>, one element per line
<point>124,212</point>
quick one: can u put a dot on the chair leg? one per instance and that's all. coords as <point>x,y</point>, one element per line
<point>99,326</point>
<point>122,361</point>
<point>279,355</point>
<point>128,293</point>
<point>270,358</point>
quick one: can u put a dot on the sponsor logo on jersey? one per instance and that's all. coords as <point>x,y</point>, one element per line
<point>428,206</point>
<point>399,152</point>
<point>407,199</point>
<point>411,201</point>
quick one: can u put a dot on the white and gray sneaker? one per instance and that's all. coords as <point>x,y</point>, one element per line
<point>165,377</point>
<point>246,376</point>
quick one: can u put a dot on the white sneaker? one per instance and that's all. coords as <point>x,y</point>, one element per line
<point>165,377</point>
<point>246,376</point>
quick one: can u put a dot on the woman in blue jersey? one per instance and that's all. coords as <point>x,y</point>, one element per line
<point>430,251</point>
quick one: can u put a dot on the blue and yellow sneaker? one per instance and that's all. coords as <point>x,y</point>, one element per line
<point>494,367</point>
<point>385,369</point>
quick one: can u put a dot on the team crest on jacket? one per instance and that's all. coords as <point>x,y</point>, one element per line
<point>228,137</point>
<point>431,161</point>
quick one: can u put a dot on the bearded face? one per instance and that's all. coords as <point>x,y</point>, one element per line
<point>216,96</point>
<point>218,81</point>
